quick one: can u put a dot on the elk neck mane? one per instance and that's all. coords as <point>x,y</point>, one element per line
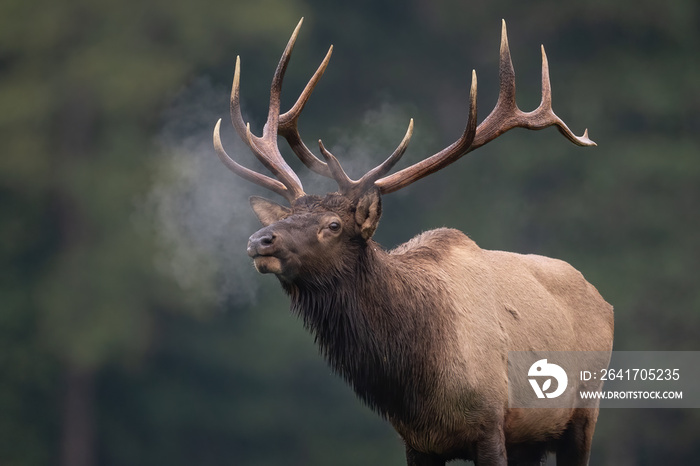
<point>369,318</point>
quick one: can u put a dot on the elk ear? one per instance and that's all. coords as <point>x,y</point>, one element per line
<point>367,213</point>
<point>268,212</point>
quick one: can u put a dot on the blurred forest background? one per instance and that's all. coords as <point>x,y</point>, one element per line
<point>133,329</point>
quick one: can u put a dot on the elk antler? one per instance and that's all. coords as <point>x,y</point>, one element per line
<point>265,148</point>
<point>505,116</point>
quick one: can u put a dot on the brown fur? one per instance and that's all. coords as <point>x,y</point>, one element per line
<point>422,332</point>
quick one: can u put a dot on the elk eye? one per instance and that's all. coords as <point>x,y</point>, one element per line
<point>334,226</point>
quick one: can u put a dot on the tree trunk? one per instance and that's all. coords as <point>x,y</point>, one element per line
<point>78,427</point>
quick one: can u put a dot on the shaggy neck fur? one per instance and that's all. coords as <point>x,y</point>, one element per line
<point>373,325</point>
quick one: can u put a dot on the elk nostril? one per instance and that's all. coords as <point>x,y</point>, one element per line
<point>262,243</point>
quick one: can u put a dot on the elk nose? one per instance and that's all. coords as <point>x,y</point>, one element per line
<point>261,243</point>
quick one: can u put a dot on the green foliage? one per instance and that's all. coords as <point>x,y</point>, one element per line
<point>185,376</point>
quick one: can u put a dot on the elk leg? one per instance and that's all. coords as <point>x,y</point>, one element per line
<point>574,446</point>
<point>416,458</point>
<point>491,449</point>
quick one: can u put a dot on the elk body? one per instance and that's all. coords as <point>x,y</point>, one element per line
<point>422,332</point>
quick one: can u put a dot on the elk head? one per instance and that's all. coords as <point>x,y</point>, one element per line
<point>314,234</point>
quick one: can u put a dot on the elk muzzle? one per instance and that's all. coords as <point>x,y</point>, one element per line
<point>262,247</point>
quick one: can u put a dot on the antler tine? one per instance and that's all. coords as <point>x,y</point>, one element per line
<point>356,187</point>
<point>384,168</point>
<point>288,124</point>
<point>235,102</point>
<point>451,153</point>
<point>506,115</point>
<point>273,114</point>
<point>243,172</point>
<point>264,148</point>
<point>345,184</point>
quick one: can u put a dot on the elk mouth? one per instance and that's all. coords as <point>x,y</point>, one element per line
<point>267,264</point>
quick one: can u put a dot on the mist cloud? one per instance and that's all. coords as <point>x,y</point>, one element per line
<point>199,208</point>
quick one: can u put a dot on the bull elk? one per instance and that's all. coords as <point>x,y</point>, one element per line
<point>422,332</point>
